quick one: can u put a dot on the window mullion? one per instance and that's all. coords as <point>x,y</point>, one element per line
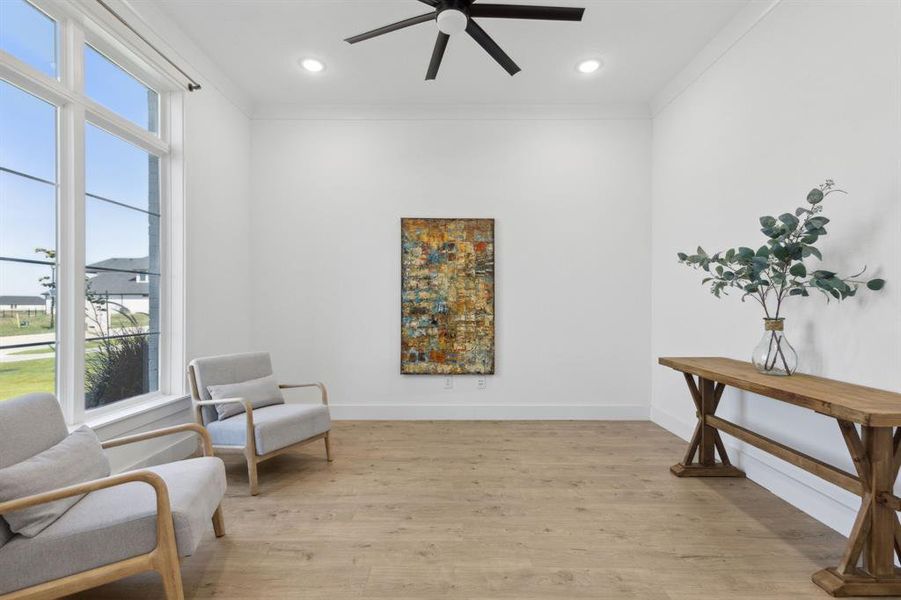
<point>70,358</point>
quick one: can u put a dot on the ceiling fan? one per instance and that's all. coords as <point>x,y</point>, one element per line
<point>456,16</point>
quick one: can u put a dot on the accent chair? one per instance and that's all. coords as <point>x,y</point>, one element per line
<point>107,528</point>
<point>255,421</point>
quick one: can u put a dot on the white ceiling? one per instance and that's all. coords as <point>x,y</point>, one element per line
<point>258,43</point>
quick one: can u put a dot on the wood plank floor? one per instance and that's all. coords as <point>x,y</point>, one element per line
<point>507,510</point>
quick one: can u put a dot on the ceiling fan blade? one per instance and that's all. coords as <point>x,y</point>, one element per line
<point>437,55</point>
<point>389,28</point>
<point>491,47</point>
<point>509,11</point>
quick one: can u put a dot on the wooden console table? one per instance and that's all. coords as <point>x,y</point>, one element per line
<point>867,567</point>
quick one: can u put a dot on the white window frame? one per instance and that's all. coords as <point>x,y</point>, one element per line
<point>75,27</point>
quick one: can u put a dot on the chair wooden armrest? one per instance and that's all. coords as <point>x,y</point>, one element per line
<point>163,558</point>
<point>322,389</point>
<point>246,403</point>
<point>140,437</point>
<point>147,477</point>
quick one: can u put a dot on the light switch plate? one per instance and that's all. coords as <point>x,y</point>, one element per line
<point>482,383</point>
<point>449,383</point>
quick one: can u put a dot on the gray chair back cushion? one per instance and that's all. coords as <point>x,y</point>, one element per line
<point>76,459</point>
<point>260,392</point>
<point>229,368</point>
<point>29,425</point>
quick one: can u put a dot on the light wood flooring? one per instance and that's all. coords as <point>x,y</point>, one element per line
<point>512,510</point>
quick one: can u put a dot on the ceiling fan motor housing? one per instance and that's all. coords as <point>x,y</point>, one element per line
<point>452,16</point>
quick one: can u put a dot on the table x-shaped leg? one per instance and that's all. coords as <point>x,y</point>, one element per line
<point>867,567</point>
<point>706,442</point>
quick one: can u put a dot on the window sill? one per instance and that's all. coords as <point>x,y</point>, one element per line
<point>114,423</point>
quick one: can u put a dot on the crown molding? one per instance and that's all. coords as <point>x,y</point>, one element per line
<point>736,29</point>
<point>452,112</point>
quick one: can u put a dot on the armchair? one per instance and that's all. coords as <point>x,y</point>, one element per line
<point>125,524</point>
<point>257,433</point>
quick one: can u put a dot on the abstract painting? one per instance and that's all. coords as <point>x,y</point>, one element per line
<point>447,296</point>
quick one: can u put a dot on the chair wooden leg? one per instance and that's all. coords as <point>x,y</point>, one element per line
<point>165,561</point>
<point>218,522</point>
<point>252,475</point>
<point>328,449</point>
<point>172,587</point>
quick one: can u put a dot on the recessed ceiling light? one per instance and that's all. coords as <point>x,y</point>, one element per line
<point>589,66</point>
<point>312,65</point>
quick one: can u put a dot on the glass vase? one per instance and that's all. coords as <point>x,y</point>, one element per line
<point>774,355</point>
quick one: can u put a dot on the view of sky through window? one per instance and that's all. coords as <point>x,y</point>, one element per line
<point>29,35</point>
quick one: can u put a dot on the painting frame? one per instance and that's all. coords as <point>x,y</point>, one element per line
<point>490,366</point>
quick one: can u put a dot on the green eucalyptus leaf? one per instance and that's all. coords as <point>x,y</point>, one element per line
<point>815,196</point>
<point>767,221</point>
<point>682,256</point>
<point>763,251</point>
<point>823,274</point>
<point>798,270</point>
<point>815,252</point>
<point>780,252</point>
<point>790,220</point>
<point>876,284</point>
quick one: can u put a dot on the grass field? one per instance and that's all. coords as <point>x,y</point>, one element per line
<point>10,325</point>
<point>17,378</point>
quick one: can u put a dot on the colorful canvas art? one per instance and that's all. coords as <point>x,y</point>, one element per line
<point>447,296</point>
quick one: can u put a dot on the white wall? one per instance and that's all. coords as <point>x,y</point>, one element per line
<point>813,91</point>
<point>217,147</point>
<point>571,203</point>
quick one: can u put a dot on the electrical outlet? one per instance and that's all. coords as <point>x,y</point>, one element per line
<point>448,383</point>
<point>482,382</point>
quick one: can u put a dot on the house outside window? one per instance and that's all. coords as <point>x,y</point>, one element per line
<point>91,307</point>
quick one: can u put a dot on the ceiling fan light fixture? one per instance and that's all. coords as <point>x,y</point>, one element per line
<point>312,65</point>
<point>589,66</point>
<point>452,21</point>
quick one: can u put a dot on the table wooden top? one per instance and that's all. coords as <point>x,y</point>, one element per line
<point>856,403</point>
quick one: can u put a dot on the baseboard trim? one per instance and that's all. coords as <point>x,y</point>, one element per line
<point>490,412</point>
<point>828,504</point>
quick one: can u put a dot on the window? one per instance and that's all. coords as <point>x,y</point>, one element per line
<point>113,87</point>
<point>122,241</point>
<point>89,306</point>
<point>27,243</point>
<point>29,35</point>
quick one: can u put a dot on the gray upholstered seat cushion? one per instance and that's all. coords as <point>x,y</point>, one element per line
<point>28,425</point>
<point>274,426</point>
<point>228,368</point>
<point>116,523</point>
